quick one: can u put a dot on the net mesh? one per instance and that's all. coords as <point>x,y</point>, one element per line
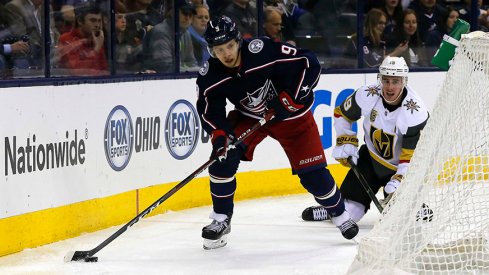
<point>438,220</point>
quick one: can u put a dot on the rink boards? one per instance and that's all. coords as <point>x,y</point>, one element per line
<point>81,158</point>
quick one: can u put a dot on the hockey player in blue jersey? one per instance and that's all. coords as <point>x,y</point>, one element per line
<point>259,76</point>
<point>393,117</point>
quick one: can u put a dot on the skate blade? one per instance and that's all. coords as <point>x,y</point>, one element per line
<point>213,244</point>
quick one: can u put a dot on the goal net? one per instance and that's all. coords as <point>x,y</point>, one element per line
<point>449,175</point>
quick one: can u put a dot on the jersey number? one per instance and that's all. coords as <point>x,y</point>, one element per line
<point>347,104</point>
<point>288,50</point>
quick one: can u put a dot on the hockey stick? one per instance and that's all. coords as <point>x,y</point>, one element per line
<point>87,256</point>
<point>365,185</point>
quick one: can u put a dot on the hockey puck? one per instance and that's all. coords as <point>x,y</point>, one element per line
<point>91,259</point>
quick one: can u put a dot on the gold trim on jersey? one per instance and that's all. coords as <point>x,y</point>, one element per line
<point>406,154</point>
<point>338,112</point>
<point>382,162</point>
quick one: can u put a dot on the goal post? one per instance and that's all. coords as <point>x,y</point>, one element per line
<point>449,174</point>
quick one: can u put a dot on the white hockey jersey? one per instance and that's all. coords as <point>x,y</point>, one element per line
<point>390,135</point>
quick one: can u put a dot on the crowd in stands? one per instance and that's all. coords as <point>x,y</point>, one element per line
<point>82,42</point>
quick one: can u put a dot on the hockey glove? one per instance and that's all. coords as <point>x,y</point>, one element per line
<point>284,106</point>
<point>346,146</point>
<point>221,144</point>
<point>392,185</point>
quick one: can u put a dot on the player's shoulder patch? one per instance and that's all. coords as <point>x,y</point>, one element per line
<point>255,46</point>
<point>367,96</point>
<point>372,90</point>
<point>413,111</point>
<point>204,69</point>
<point>411,105</point>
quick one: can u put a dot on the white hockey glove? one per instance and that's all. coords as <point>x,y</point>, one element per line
<point>392,185</point>
<point>346,146</point>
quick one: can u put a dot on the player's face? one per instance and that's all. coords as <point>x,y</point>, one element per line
<point>391,88</point>
<point>228,53</point>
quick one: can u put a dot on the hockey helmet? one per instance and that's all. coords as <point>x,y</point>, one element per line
<point>394,66</point>
<point>220,30</point>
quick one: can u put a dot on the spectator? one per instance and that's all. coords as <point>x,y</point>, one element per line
<point>482,15</point>
<point>444,27</point>
<point>448,21</point>
<point>23,18</point>
<point>217,6</point>
<point>9,50</point>
<point>393,10</point>
<point>162,42</point>
<point>278,21</point>
<point>374,47</point>
<point>406,42</point>
<point>126,50</point>
<point>272,24</point>
<point>141,18</point>
<point>82,50</point>
<point>200,2</point>
<point>428,13</point>
<point>197,30</point>
<point>313,16</point>
<point>244,16</point>
<point>64,19</point>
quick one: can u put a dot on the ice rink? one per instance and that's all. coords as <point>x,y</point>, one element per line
<point>268,237</point>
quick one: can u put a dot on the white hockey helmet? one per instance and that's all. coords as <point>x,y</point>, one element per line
<point>394,66</point>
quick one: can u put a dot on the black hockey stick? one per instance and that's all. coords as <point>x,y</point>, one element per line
<point>87,256</point>
<point>365,185</point>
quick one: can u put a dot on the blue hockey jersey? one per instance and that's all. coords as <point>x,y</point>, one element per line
<point>267,68</point>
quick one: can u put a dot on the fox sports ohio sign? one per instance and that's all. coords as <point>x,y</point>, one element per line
<point>182,129</point>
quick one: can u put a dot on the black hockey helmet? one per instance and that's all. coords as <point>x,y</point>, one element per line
<point>221,30</point>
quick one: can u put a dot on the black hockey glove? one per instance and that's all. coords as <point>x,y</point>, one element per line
<point>221,144</point>
<point>284,106</point>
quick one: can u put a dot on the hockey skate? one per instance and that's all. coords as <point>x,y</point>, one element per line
<point>315,213</point>
<point>348,227</point>
<point>215,234</point>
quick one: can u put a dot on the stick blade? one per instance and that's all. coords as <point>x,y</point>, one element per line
<point>74,256</point>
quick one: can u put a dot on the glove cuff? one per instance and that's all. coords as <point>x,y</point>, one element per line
<point>216,134</point>
<point>342,140</point>
<point>288,103</point>
<point>397,177</point>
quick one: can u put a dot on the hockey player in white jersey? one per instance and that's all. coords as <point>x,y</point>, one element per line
<point>394,116</point>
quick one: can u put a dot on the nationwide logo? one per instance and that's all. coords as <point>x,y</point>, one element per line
<point>34,155</point>
<point>118,138</point>
<point>182,129</point>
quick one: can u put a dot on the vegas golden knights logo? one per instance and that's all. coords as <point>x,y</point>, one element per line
<point>383,142</point>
